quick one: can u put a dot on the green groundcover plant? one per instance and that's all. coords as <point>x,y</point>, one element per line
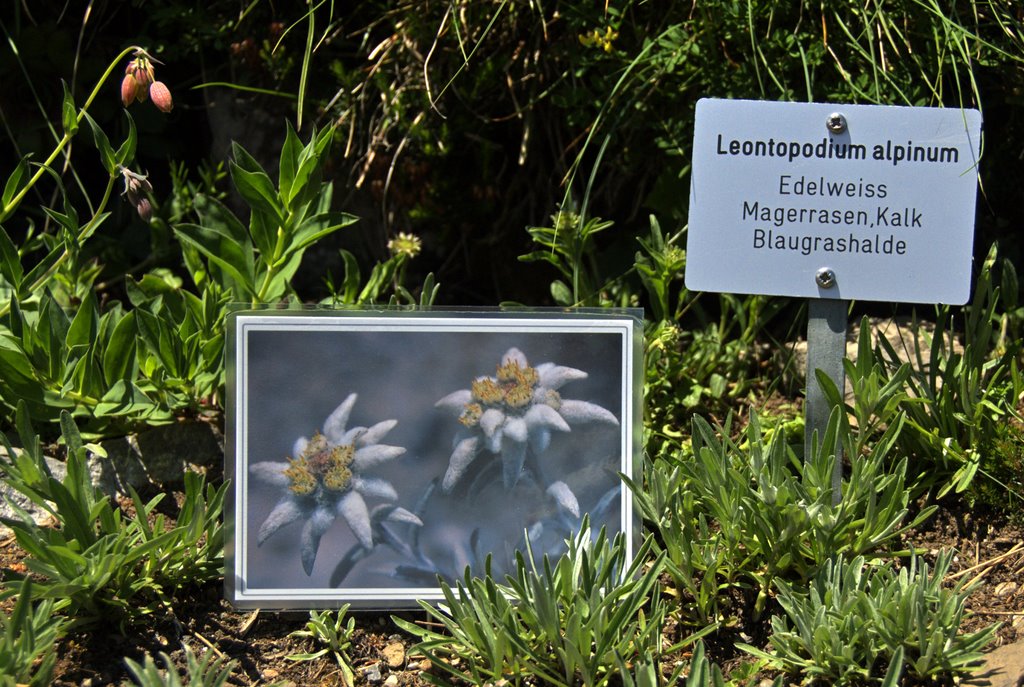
<point>100,562</point>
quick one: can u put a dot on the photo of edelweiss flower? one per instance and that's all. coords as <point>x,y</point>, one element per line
<point>515,410</point>
<point>324,480</point>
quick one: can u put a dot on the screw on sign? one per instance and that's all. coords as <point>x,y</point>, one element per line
<point>836,123</point>
<point>826,278</point>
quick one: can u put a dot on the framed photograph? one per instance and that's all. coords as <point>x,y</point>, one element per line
<point>373,453</point>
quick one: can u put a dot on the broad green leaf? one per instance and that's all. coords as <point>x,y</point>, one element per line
<point>126,153</point>
<point>68,112</point>
<point>289,163</point>
<point>14,181</point>
<point>257,190</point>
<point>85,323</point>
<point>119,356</point>
<point>561,293</point>
<point>244,160</point>
<point>222,250</point>
<point>310,163</point>
<point>264,228</point>
<point>316,228</point>
<point>154,332</point>
<point>123,398</point>
<point>28,283</point>
<point>10,261</point>
<point>214,213</point>
<point>107,157</point>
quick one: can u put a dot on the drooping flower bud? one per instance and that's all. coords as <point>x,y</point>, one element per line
<point>161,96</point>
<point>137,188</point>
<point>129,87</point>
<point>145,210</point>
<point>140,81</point>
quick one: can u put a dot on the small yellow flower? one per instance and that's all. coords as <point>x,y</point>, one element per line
<point>518,395</point>
<point>301,480</point>
<point>471,414</point>
<point>405,244</point>
<point>485,390</point>
<point>595,39</point>
<point>509,372</point>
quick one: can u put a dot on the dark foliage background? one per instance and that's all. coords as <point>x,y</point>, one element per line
<point>466,122</point>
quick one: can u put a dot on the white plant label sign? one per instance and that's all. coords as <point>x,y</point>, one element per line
<point>833,201</point>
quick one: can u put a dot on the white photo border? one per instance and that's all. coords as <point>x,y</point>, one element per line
<point>624,324</point>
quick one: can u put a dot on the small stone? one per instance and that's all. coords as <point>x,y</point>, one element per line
<point>1005,588</point>
<point>371,673</point>
<point>425,665</point>
<point>270,674</point>
<point>392,681</point>
<point>394,654</point>
<point>1004,667</point>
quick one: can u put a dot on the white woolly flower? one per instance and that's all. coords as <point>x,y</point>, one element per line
<point>325,480</point>
<point>515,410</point>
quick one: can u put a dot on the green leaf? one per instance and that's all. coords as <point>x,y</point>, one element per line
<point>257,190</point>
<point>214,213</point>
<point>36,273</point>
<point>221,249</point>
<point>14,181</point>
<point>85,323</point>
<point>107,157</point>
<point>561,293</point>
<point>52,331</point>
<point>307,178</point>
<point>123,398</point>
<point>289,163</point>
<point>264,227</point>
<point>245,160</point>
<point>350,290</point>
<point>68,112</point>
<point>316,228</point>
<point>126,153</point>
<point>10,261</point>
<point>119,356</point>
<point>156,335</point>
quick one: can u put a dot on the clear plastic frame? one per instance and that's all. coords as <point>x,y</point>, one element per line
<point>374,453</point>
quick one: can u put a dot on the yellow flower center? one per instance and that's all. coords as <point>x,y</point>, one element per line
<point>321,464</point>
<point>518,395</point>
<point>511,389</point>
<point>486,391</point>
<point>300,479</point>
<point>471,414</point>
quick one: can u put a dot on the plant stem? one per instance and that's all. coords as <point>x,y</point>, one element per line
<point>85,233</point>
<point>9,209</point>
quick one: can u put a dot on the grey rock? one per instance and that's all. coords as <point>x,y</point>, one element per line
<point>156,457</point>
<point>371,673</point>
<point>1003,667</point>
<point>9,496</point>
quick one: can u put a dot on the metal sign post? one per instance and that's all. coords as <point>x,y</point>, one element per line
<point>826,348</point>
